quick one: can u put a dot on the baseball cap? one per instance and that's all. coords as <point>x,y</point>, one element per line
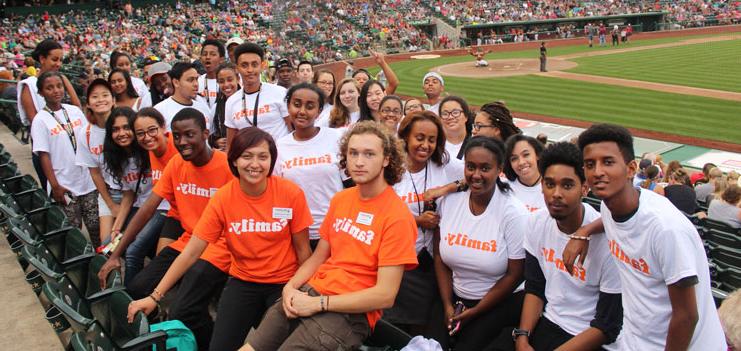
<point>434,75</point>
<point>284,62</point>
<point>644,163</point>
<point>234,40</point>
<point>158,68</point>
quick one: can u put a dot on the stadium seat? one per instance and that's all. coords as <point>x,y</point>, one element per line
<point>24,202</point>
<point>18,184</point>
<point>729,278</point>
<point>8,170</point>
<point>712,224</point>
<point>113,331</point>
<point>64,254</point>
<point>387,335</point>
<point>62,295</point>
<point>88,279</point>
<point>718,238</point>
<point>726,257</point>
<point>5,157</point>
<point>39,224</point>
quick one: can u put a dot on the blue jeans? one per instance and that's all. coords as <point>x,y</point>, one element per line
<point>143,245</point>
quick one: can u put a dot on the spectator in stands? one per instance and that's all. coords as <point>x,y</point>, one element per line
<point>726,209</point>
<point>704,177</point>
<point>228,80</point>
<point>720,186</point>
<point>479,259</point>
<point>212,56</point>
<point>160,85</point>
<point>494,120</point>
<point>391,111</point>
<point>730,312</point>
<point>413,105</point>
<point>670,168</point>
<point>733,178</point>
<point>667,301</point>
<point>122,60</point>
<point>361,76</point>
<point>284,73</point>
<point>581,310</point>
<point>434,87</point>
<point>651,182</point>
<point>123,89</point>
<point>456,117</point>
<point>55,131</point>
<point>345,111</point>
<point>184,77</point>
<point>305,72</point>
<point>679,192</point>
<point>704,190</point>
<point>232,44</point>
<point>521,169</point>
<point>370,99</point>
<point>325,80</point>
<point>542,138</point>
<point>8,91</point>
<point>257,104</point>
<point>341,291</point>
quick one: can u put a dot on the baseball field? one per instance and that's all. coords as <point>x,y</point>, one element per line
<point>686,86</point>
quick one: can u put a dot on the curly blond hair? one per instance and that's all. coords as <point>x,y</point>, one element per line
<point>392,148</point>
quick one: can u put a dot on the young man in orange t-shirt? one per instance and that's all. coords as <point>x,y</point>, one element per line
<point>187,183</point>
<point>367,241</point>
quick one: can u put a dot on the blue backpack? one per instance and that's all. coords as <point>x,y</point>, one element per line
<point>179,337</point>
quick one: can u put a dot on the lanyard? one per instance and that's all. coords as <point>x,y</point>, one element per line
<point>424,189</point>
<point>254,110</point>
<point>67,126</point>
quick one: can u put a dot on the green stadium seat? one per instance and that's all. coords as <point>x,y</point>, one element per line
<point>729,278</point>
<point>8,170</point>
<point>18,184</point>
<point>386,335</point>
<point>726,257</point>
<point>5,157</point>
<point>68,301</point>
<point>112,331</point>
<point>63,255</point>
<point>712,224</point>
<point>718,238</point>
<point>36,226</point>
<point>23,203</point>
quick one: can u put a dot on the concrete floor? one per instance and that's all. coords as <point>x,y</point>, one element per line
<point>22,322</point>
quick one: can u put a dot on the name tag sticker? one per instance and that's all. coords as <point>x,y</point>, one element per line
<point>364,218</point>
<point>282,213</point>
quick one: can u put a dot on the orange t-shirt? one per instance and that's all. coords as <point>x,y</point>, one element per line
<point>364,235</point>
<point>258,230</point>
<point>189,188</point>
<point>158,164</point>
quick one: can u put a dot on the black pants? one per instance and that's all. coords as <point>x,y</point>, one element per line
<point>241,307</point>
<point>479,332</point>
<point>546,336</point>
<point>190,305</point>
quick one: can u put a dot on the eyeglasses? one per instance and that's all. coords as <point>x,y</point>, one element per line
<point>414,107</point>
<point>478,126</point>
<point>388,111</point>
<point>151,132</point>
<point>453,114</point>
<point>325,82</point>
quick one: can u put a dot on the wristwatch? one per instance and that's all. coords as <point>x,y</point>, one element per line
<point>519,332</point>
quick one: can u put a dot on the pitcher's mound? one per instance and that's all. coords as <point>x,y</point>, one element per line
<point>501,68</point>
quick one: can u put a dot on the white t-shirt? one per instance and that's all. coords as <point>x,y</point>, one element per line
<point>433,108</point>
<point>411,189</point>
<point>572,298</point>
<point>453,149</point>
<point>655,248</point>
<point>271,110</point>
<point>531,196</point>
<point>50,136</point>
<point>323,119</point>
<point>38,100</point>
<point>212,87</point>
<point>169,107</point>
<point>140,87</point>
<point>130,181</point>
<point>313,166</point>
<point>477,248</point>
<point>90,152</point>
<point>146,100</point>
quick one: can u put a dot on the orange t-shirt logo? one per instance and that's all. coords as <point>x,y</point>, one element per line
<point>412,198</point>
<point>638,264</point>
<point>249,112</point>
<point>549,255</point>
<point>252,226</point>
<point>306,161</point>
<point>346,225</point>
<point>461,239</point>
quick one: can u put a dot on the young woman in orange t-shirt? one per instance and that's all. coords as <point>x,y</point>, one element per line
<point>265,221</point>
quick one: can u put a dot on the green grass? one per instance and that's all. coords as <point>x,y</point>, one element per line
<point>694,116</point>
<point>711,65</point>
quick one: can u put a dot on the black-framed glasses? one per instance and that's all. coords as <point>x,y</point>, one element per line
<point>388,111</point>
<point>151,132</point>
<point>452,114</point>
<point>478,126</point>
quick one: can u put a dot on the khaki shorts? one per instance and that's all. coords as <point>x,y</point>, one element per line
<point>322,331</point>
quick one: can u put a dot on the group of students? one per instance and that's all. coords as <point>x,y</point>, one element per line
<point>308,225</point>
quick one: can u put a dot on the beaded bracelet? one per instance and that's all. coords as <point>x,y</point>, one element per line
<point>579,237</point>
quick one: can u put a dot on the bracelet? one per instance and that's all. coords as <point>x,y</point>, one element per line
<point>327,309</point>
<point>321,303</point>
<point>154,299</point>
<point>579,237</point>
<point>158,294</point>
<point>459,186</point>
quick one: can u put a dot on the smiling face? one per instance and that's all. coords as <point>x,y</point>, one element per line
<point>454,120</point>
<point>249,66</point>
<point>349,95</point>
<point>210,58</point>
<point>228,82</point>
<point>53,90</point>
<point>187,85</point>
<point>189,138</point>
<point>148,133</point>
<point>100,100</point>
<point>118,83</point>
<point>303,108</point>
<point>421,142</point>
<point>562,191</point>
<point>123,63</point>
<point>365,158</point>
<point>121,133</point>
<point>411,106</point>
<point>253,165</point>
<point>390,112</point>
<point>524,162</point>
<point>52,61</point>
<point>483,127</point>
<point>605,169</point>
<point>481,170</point>
<point>375,95</point>
<point>325,81</point>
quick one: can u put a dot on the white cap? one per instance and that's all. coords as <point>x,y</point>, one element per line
<point>234,40</point>
<point>434,75</point>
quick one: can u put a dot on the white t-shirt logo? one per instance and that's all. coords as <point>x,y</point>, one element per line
<point>194,189</point>
<point>253,226</point>
<point>346,225</point>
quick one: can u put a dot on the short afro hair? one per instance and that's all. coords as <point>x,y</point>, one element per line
<point>562,153</point>
<point>605,132</point>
